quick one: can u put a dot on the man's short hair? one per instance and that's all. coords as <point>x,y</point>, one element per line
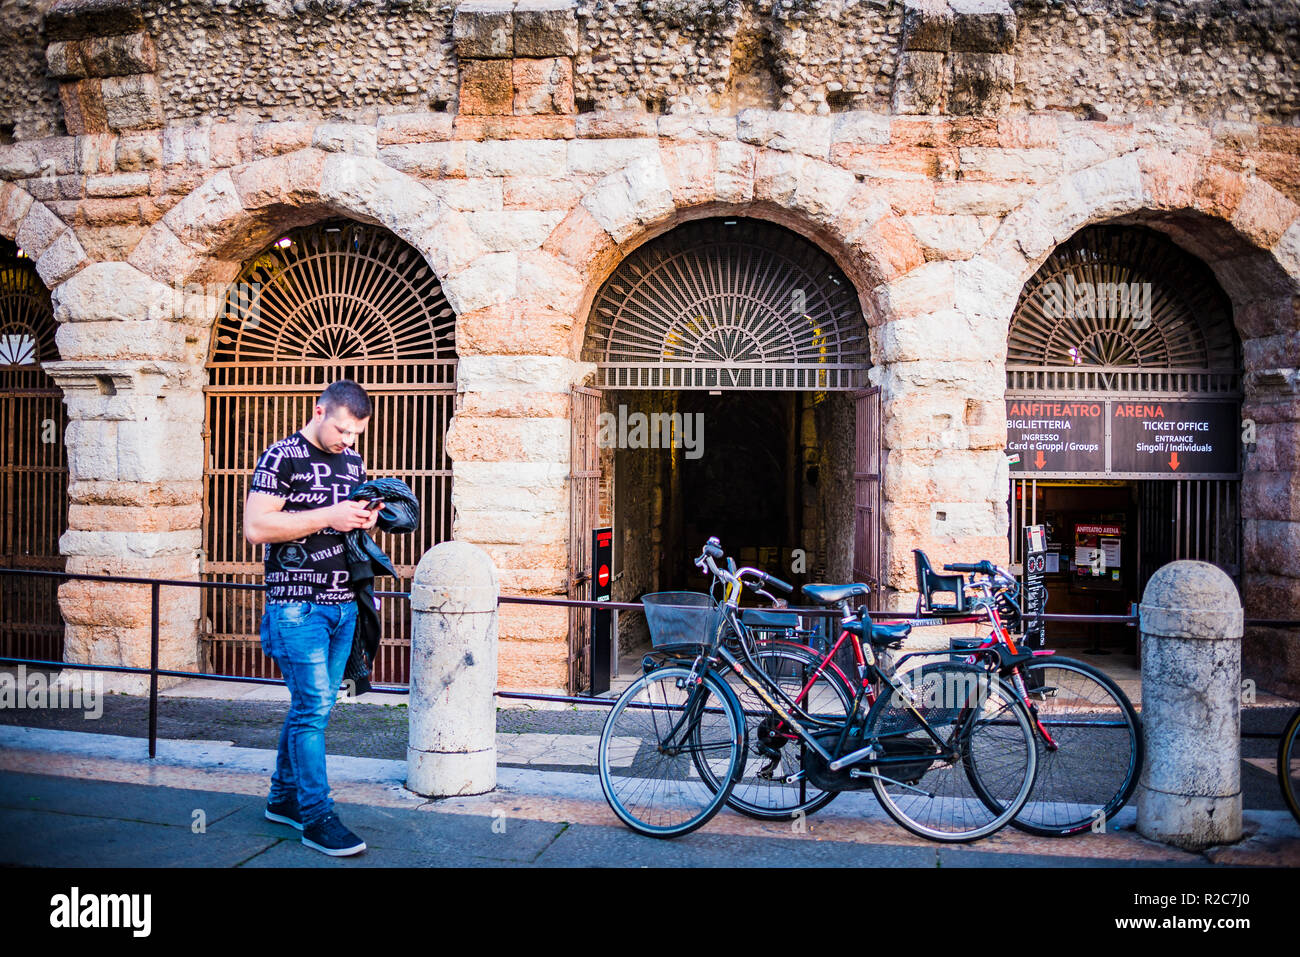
<point>348,395</point>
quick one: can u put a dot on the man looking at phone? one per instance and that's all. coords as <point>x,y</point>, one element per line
<point>297,508</point>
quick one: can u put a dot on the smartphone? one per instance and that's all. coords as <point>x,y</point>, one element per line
<point>375,503</point>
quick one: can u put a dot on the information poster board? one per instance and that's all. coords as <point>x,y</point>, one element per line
<point>1144,438</point>
<point>1097,553</point>
<point>1174,437</point>
<point>1033,596</point>
<point>1065,436</point>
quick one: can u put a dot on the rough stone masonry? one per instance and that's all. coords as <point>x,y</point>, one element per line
<point>937,150</point>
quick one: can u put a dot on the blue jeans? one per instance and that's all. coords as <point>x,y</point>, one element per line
<point>311,644</point>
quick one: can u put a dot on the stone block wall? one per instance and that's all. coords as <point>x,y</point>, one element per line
<point>504,169</point>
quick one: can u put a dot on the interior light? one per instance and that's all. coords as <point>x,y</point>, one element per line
<point>284,243</point>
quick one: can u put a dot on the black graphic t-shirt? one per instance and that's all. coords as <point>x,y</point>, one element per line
<point>314,568</point>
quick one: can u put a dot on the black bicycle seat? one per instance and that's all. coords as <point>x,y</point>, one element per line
<point>877,634</point>
<point>834,594</point>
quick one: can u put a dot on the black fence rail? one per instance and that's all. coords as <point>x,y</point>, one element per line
<point>155,672</point>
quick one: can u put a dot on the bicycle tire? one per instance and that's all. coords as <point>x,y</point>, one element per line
<point>1288,765</point>
<point>659,792</point>
<point>1100,749</point>
<point>771,799</point>
<point>987,725</point>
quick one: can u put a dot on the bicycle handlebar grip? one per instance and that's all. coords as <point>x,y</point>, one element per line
<point>961,567</point>
<point>773,580</point>
<point>713,548</point>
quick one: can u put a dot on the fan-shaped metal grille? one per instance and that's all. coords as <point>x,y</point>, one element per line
<point>1122,296</point>
<point>26,314</point>
<point>337,292</point>
<point>728,304</point>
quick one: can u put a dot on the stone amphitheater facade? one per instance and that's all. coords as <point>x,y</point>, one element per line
<point>937,150</point>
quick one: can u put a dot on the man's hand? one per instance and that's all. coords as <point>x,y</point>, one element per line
<point>349,514</point>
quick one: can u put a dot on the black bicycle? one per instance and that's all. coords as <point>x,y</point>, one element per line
<point>949,752</point>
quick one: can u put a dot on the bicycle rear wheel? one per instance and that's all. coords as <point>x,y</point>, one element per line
<point>982,725</point>
<point>1288,765</point>
<point>774,752</point>
<point>1098,759</point>
<point>663,729</point>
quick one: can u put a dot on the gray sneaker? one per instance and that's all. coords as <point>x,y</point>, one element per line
<point>329,836</point>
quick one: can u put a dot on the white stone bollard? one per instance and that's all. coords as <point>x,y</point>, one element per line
<point>1191,622</point>
<point>452,744</point>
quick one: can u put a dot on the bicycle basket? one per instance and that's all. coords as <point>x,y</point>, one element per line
<point>681,620</point>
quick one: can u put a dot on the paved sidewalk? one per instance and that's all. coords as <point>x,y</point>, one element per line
<point>70,798</point>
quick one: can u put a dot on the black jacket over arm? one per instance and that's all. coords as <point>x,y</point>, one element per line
<point>400,513</point>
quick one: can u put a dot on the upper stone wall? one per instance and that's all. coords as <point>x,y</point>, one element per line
<point>1181,58</point>
<point>29,99</point>
<point>250,60</point>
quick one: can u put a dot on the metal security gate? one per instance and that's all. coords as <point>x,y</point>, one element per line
<point>1120,314</point>
<point>337,300</point>
<point>584,504</point>
<point>867,540</point>
<point>33,463</point>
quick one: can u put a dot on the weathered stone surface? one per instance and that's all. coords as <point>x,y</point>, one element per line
<point>860,127</point>
<point>927,25</point>
<point>580,240</point>
<point>545,28</point>
<point>544,85</point>
<point>484,29</point>
<point>432,160</point>
<point>980,82</point>
<point>617,124</point>
<point>61,259</point>
<point>413,128</point>
<point>625,202</point>
<point>206,219</point>
<point>38,229</point>
<point>982,26</point>
<point>734,182</point>
<point>489,280</point>
<point>919,83</point>
<point>137,151</point>
<point>515,158</point>
<point>549,282</point>
<point>486,87</point>
<point>346,138</point>
<point>119,55</point>
<point>513,230</point>
<point>132,102</point>
<point>785,131</point>
<point>83,106</point>
<point>291,180</point>
<point>164,257</point>
<point>600,157</point>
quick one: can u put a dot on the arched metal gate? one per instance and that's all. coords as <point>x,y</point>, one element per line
<point>331,301</point>
<point>33,463</point>
<point>1120,318</point>
<point>727,305</point>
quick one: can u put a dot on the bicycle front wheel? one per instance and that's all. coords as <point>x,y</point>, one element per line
<point>1099,750</point>
<point>1288,765</point>
<point>773,787</point>
<point>981,726</point>
<point>660,733</point>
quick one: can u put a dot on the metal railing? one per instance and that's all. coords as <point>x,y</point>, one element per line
<point>155,672</point>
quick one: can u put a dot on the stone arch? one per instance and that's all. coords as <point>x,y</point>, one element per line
<point>237,212</point>
<point>46,239</point>
<point>681,182</point>
<point>1248,233</point>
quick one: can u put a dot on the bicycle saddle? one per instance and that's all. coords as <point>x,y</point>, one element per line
<point>878,634</point>
<point>834,594</point>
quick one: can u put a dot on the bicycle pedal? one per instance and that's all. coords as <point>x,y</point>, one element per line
<point>1047,691</point>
